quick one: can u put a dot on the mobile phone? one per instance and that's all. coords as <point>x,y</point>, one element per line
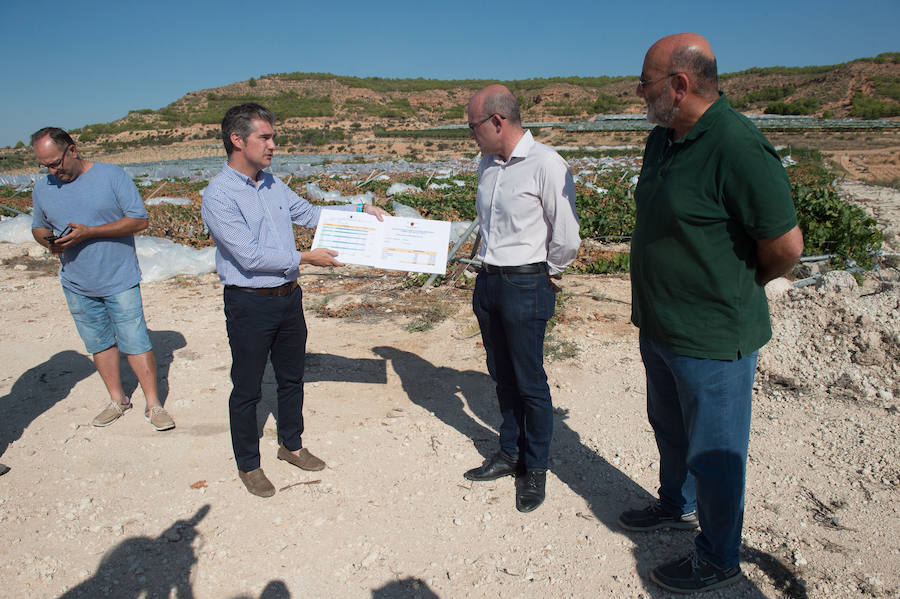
<point>53,238</point>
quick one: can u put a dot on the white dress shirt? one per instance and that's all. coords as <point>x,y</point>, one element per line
<point>526,208</point>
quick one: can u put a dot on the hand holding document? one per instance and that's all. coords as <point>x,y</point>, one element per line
<point>413,244</point>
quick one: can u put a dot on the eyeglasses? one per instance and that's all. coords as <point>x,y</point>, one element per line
<point>57,163</point>
<point>473,126</point>
<point>642,83</point>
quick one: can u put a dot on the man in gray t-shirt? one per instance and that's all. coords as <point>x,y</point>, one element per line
<point>87,213</point>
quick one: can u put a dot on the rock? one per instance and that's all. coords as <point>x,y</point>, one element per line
<point>777,288</point>
<point>837,281</point>
<point>369,559</point>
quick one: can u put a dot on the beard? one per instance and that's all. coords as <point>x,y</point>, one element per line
<point>659,112</point>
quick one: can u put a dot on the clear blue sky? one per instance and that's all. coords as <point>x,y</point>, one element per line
<point>74,63</point>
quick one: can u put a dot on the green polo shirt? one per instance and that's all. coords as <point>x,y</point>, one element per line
<point>702,201</point>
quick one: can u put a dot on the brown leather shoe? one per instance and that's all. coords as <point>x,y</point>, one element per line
<point>257,483</point>
<point>304,461</point>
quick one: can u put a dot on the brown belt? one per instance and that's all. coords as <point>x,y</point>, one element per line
<point>280,291</point>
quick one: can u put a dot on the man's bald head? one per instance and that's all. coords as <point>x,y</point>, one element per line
<point>688,53</point>
<point>497,99</point>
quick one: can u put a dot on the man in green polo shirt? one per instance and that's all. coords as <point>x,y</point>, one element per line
<point>715,222</point>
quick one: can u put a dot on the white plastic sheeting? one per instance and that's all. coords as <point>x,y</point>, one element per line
<point>159,258</point>
<point>25,181</point>
<point>314,192</point>
<point>166,200</point>
<point>454,182</point>
<point>405,211</point>
<point>16,230</point>
<point>396,188</point>
<point>162,259</point>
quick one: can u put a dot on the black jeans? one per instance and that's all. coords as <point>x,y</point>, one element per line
<point>260,327</point>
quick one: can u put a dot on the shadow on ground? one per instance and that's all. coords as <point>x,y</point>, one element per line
<point>466,401</point>
<point>156,567</point>
<point>145,566</point>
<point>39,389</point>
<point>319,368</point>
<point>407,588</point>
<point>276,589</point>
<point>164,345</point>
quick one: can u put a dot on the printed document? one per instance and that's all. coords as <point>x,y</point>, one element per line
<point>413,244</point>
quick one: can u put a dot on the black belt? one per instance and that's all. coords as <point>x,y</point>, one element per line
<point>280,291</point>
<point>525,269</point>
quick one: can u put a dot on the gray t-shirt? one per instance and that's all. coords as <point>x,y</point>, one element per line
<point>103,194</point>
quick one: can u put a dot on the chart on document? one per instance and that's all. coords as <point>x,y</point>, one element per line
<point>412,244</point>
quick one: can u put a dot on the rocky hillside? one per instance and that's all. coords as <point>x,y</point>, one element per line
<point>350,114</point>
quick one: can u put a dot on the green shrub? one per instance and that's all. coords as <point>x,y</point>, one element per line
<point>887,57</point>
<point>455,112</point>
<point>832,225</point>
<point>606,103</point>
<point>864,107</point>
<point>9,162</point>
<point>801,106</point>
<point>777,70</point>
<point>315,137</point>
<point>460,133</point>
<point>609,264</point>
<point>766,94</point>
<point>887,86</point>
<point>606,215</point>
<point>602,104</point>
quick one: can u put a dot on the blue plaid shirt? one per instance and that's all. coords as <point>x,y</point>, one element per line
<point>251,225</point>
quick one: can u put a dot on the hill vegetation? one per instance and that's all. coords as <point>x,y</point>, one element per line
<point>321,110</point>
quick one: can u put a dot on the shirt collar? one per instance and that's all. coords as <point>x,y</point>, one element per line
<point>523,147</point>
<point>263,176</point>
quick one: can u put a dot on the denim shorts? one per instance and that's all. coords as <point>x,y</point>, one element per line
<point>112,320</point>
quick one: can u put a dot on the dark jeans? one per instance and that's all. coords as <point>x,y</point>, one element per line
<point>700,413</point>
<point>512,311</point>
<point>261,327</point>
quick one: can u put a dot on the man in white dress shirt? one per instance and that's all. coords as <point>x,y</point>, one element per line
<point>529,233</point>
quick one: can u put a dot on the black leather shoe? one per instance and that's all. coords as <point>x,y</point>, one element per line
<point>530,490</point>
<point>496,466</point>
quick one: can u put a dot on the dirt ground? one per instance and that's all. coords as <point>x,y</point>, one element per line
<point>126,511</point>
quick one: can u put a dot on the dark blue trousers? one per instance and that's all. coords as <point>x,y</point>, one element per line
<point>700,413</point>
<point>263,327</point>
<point>512,311</point>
